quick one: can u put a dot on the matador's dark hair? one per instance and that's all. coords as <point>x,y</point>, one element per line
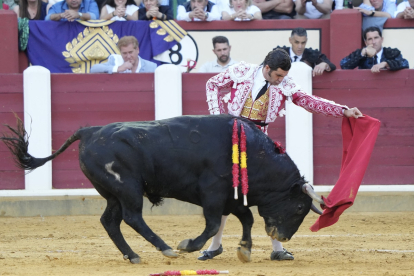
<point>278,58</point>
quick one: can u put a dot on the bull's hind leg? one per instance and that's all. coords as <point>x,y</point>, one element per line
<point>246,218</point>
<point>111,220</point>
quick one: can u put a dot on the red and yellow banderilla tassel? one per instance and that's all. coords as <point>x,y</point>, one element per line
<point>243,165</point>
<point>191,272</point>
<point>235,158</point>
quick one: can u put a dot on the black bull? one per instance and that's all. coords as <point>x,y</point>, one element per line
<point>188,158</point>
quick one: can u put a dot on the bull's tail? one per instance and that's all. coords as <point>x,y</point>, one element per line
<point>18,144</point>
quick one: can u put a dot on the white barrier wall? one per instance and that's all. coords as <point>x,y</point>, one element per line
<point>168,92</point>
<point>299,128</point>
<point>38,124</point>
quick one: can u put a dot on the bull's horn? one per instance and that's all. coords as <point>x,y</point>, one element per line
<point>307,189</point>
<point>316,210</point>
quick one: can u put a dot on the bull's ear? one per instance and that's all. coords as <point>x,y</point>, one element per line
<point>296,188</point>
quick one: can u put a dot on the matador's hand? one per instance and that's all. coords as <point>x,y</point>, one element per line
<point>353,112</point>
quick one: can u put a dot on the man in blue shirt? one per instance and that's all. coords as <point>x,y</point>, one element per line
<point>71,10</point>
<point>128,61</point>
<point>382,8</point>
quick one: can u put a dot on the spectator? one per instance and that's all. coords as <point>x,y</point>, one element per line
<point>365,5</point>
<point>241,10</point>
<point>374,56</point>
<point>153,9</point>
<point>198,10</point>
<point>71,10</point>
<point>382,8</point>
<point>405,10</point>
<point>128,61</point>
<point>31,9</point>
<point>119,10</point>
<point>313,9</point>
<point>10,4</point>
<point>276,9</point>
<point>222,51</point>
<point>314,58</point>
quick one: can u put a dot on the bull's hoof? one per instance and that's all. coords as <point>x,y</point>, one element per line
<point>134,260</point>
<point>183,246</point>
<point>243,254</point>
<point>169,253</point>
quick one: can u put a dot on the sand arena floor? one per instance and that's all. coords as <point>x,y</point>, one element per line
<point>359,244</point>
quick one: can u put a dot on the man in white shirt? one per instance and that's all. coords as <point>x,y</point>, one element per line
<point>313,9</point>
<point>222,51</point>
<point>128,61</point>
<point>198,10</point>
<point>405,10</point>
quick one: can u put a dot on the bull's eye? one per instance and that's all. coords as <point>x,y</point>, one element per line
<point>300,209</point>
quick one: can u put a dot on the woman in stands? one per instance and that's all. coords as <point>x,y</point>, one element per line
<point>241,10</point>
<point>119,10</point>
<point>31,9</point>
<point>153,10</point>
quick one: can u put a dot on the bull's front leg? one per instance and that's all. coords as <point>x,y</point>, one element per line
<point>246,218</point>
<point>212,215</point>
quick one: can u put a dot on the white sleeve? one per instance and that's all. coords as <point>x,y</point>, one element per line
<point>182,14</point>
<point>131,9</point>
<point>203,68</point>
<point>253,9</point>
<point>214,14</point>
<point>400,8</point>
<point>108,67</point>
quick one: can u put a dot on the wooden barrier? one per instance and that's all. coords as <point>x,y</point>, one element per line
<point>82,100</point>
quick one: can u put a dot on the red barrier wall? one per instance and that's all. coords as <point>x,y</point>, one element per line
<point>387,96</point>
<point>346,34</point>
<point>97,99</point>
<point>11,100</point>
<point>89,100</point>
<point>9,60</point>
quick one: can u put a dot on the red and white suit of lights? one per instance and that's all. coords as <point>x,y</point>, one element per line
<point>240,77</point>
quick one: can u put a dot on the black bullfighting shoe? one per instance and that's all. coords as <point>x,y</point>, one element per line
<point>281,255</point>
<point>210,254</point>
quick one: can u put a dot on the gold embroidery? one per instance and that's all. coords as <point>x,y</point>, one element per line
<point>169,38</point>
<point>90,47</point>
<point>256,110</point>
<point>153,25</point>
<point>95,23</point>
<point>161,32</point>
<point>173,29</point>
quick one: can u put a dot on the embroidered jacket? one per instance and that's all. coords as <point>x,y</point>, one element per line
<point>240,77</point>
<point>391,55</point>
<point>312,57</point>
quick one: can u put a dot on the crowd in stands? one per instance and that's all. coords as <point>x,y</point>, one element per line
<point>373,56</point>
<point>202,10</point>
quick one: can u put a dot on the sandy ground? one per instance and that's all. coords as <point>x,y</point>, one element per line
<point>359,244</point>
